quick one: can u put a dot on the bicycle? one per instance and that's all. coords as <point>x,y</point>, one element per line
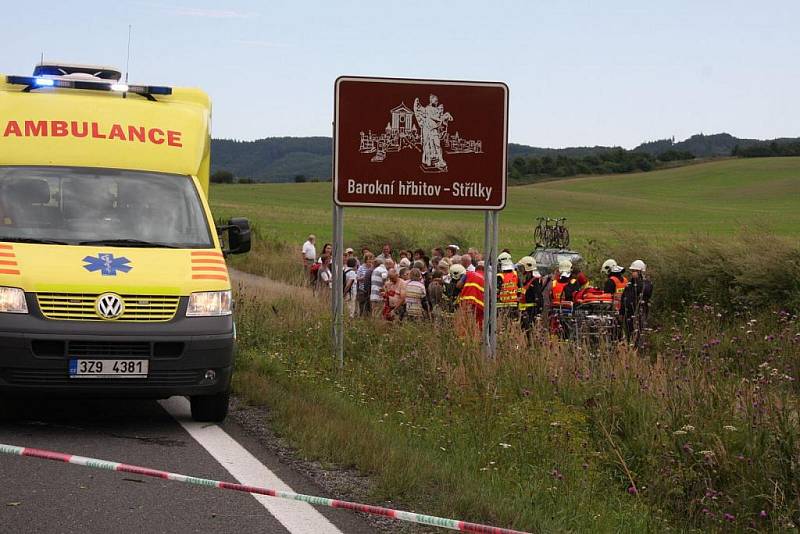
<point>561,233</point>
<point>540,233</point>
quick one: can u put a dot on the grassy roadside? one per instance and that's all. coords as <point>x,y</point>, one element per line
<point>426,420</point>
<point>703,433</point>
<point>700,432</point>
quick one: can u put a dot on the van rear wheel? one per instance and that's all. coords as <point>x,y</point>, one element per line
<point>210,408</point>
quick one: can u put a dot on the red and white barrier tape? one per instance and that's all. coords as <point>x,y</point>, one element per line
<point>452,524</point>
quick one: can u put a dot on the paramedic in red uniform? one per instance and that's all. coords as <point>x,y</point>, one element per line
<point>470,297</point>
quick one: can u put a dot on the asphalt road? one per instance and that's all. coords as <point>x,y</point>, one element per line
<point>45,496</point>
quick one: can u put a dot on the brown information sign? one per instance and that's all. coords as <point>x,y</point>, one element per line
<point>420,143</point>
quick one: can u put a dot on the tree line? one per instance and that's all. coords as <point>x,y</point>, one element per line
<point>770,150</point>
<point>610,161</point>
<point>615,161</point>
<point>224,176</point>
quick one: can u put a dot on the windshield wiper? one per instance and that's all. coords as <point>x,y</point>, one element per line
<point>126,243</point>
<point>32,240</point>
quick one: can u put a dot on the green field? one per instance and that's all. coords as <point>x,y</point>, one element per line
<point>697,432</point>
<point>712,199</point>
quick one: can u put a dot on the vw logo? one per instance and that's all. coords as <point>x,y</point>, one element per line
<point>109,306</point>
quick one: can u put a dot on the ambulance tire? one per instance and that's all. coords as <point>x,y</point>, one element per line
<point>210,408</point>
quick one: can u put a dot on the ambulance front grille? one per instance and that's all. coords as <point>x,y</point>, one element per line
<point>81,307</point>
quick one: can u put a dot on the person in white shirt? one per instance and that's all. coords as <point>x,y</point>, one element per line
<point>379,275</point>
<point>324,276</point>
<point>350,286</point>
<point>466,261</point>
<point>309,251</point>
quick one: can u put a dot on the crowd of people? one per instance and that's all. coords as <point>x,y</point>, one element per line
<point>412,285</point>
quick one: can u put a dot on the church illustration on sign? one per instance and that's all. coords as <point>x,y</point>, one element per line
<point>423,128</point>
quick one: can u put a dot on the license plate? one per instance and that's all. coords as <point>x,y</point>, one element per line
<point>80,368</point>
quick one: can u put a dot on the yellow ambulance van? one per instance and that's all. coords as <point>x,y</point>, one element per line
<point>113,279</point>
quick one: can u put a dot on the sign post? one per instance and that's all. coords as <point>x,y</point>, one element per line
<point>491,224</point>
<point>401,143</point>
<point>337,299</point>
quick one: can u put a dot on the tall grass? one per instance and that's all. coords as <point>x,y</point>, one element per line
<point>699,431</point>
<point>705,431</point>
<point>748,271</point>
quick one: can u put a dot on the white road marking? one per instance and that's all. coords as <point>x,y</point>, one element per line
<point>297,517</point>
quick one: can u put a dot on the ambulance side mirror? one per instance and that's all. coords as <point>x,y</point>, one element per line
<point>238,230</point>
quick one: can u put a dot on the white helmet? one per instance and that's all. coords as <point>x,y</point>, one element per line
<point>457,270</point>
<point>608,266</point>
<point>565,266</point>
<point>528,263</point>
<point>638,265</point>
<point>504,257</point>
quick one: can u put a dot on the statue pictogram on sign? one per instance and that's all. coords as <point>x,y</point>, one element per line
<point>425,128</point>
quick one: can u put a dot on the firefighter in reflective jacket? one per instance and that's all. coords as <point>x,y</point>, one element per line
<point>470,297</point>
<point>451,287</point>
<point>636,304</point>
<point>561,291</point>
<point>565,285</point>
<point>507,286</point>
<point>616,282</point>
<point>530,295</point>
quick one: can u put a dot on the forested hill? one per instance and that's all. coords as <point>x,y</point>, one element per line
<point>707,146</point>
<point>286,159</point>
<point>276,159</point>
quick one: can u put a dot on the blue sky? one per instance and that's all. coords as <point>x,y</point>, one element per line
<point>580,72</point>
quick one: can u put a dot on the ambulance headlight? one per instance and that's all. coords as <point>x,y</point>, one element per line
<point>12,300</point>
<point>209,304</point>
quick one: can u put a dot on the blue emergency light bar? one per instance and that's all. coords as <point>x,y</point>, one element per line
<point>35,82</point>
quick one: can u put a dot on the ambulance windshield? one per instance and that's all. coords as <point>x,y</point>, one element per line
<point>74,206</point>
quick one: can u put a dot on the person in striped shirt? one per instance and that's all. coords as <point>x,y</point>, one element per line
<point>415,295</point>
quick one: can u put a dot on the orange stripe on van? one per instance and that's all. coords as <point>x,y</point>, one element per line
<point>7,255</point>
<point>207,277</point>
<point>6,247</point>
<point>208,268</point>
<point>6,262</point>
<point>9,271</point>
<point>202,253</point>
<point>201,260</point>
